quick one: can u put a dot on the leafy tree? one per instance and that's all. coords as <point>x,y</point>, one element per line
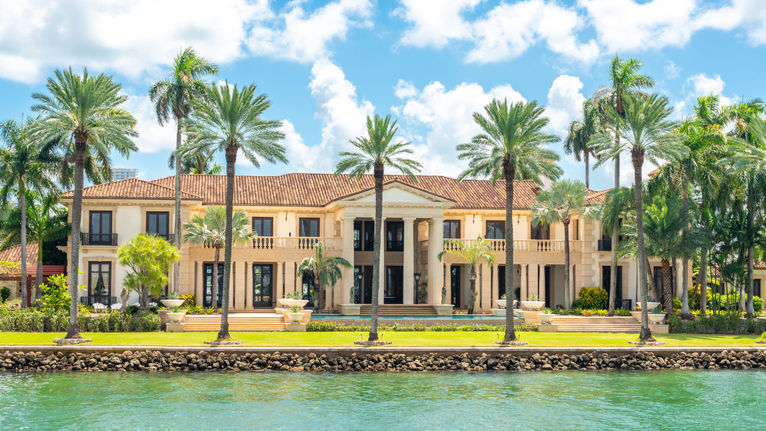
<point>374,152</point>
<point>210,230</point>
<point>564,200</point>
<point>55,294</point>
<point>148,259</point>
<point>648,134</point>
<point>325,270</point>
<point>228,120</point>
<point>172,97</point>
<point>26,164</point>
<point>473,252</point>
<point>87,110</point>
<point>509,147</point>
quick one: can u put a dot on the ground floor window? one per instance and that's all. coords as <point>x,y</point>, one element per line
<point>606,283</point>
<point>100,283</point>
<point>454,277</point>
<point>362,285</point>
<point>757,287</point>
<point>263,279</point>
<point>394,292</point>
<point>208,280</point>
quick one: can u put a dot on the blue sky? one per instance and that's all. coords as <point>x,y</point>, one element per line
<point>326,65</point>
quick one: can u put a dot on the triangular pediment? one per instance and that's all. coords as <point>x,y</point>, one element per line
<point>397,193</point>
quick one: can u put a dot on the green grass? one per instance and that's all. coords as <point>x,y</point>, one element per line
<point>446,339</point>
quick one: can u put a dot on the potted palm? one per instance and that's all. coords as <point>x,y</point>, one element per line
<point>532,304</point>
<point>546,317</point>
<point>176,314</point>
<point>172,301</point>
<point>295,315</point>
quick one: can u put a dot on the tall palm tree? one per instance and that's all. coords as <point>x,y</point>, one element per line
<point>173,96</point>
<point>510,146</point>
<point>325,270</point>
<point>564,200</point>
<point>210,231</point>
<point>199,164</point>
<point>26,164</point>
<point>87,110</point>
<point>473,252</point>
<point>374,152</point>
<point>229,119</point>
<point>624,78</point>
<point>646,131</point>
<point>579,135</point>
<point>611,213</point>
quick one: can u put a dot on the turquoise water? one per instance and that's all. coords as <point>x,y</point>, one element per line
<point>669,400</point>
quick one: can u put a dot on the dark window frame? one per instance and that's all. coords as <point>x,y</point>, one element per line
<point>108,281</point>
<point>100,237</point>
<point>393,229</point>
<point>157,214</point>
<point>452,229</point>
<point>497,226</point>
<point>310,220</point>
<point>262,221</point>
<point>270,295</point>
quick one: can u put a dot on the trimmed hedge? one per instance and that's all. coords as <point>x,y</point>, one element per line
<point>31,320</point>
<point>725,323</point>
<point>342,327</point>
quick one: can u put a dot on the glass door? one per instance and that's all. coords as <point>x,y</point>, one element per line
<point>207,301</point>
<point>262,285</point>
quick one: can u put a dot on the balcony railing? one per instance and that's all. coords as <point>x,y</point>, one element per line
<point>522,245</point>
<point>98,238</point>
<point>605,245</point>
<point>288,243</point>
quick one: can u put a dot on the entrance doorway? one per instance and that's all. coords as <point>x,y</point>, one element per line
<point>606,283</point>
<point>394,292</point>
<point>362,284</point>
<point>263,278</point>
<point>455,283</point>
<point>548,286</point>
<point>207,301</point>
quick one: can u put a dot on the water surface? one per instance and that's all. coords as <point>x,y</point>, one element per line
<point>557,400</point>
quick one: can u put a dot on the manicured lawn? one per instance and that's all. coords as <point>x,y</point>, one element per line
<point>458,338</point>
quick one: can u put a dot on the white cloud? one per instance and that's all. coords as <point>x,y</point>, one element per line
<point>672,70</point>
<point>446,118</point>
<point>703,85</point>
<point>435,22</point>
<point>129,37</point>
<point>152,137</point>
<point>300,36</point>
<point>297,150</point>
<point>564,103</point>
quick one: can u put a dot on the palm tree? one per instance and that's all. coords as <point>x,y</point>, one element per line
<point>624,78</point>
<point>229,119</point>
<point>199,164</point>
<point>26,164</point>
<point>648,134</point>
<point>326,271</point>
<point>611,213</point>
<point>374,152</point>
<point>564,200</point>
<point>210,231</point>
<point>579,135</point>
<point>510,147</point>
<point>473,252</point>
<point>747,158</point>
<point>173,96</point>
<point>86,110</point>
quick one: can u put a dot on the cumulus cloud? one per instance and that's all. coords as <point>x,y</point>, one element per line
<point>434,22</point>
<point>152,137</point>
<point>128,37</point>
<point>564,103</point>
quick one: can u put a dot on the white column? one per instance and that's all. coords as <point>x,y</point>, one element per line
<point>542,283</point>
<point>435,246</point>
<point>382,275</point>
<point>347,281</point>
<point>524,293</point>
<point>448,285</point>
<point>408,288</point>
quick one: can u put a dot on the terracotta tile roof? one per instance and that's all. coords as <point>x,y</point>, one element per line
<point>759,265</point>
<point>318,190</point>
<point>13,254</point>
<point>130,188</point>
<point>596,196</point>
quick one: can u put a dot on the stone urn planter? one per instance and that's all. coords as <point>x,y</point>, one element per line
<point>176,317</point>
<point>650,305</point>
<point>295,317</point>
<point>290,303</point>
<point>656,318</point>
<point>532,305</point>
<point>172,303</point>
<point>501,303</point>
<point>546,318</point>
<point>443,309</point>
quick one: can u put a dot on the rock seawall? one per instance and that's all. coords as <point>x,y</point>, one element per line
<point>154,361</point>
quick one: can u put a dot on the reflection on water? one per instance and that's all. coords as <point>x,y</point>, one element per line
<point>563,400</point>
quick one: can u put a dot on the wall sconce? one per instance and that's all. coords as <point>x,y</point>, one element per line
<point>518,219</point>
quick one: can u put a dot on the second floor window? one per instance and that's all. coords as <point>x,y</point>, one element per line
<point>364,235</point>
<point>395,236</point>
<point>100,227</point>
<point>452,229</point>
<point>263,226</point>
<point>541,231</point>
<point>157,223</point>
<point>495,229</point>
<point>308,227</point>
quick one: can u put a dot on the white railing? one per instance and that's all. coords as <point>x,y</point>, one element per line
<point>521,245</point>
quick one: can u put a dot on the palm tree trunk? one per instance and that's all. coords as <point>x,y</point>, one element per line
<point>509,174</point>
<point>378,175</point>
<point>177,208</point>
<point>587,170</point>
<point>685,313</point>
<point>638,161</point>
<point>317,292</point>
<point>74,253</point>
<point>567,299</point>
<point>615,241</point>
<point>473,290</point>
<point>39,269</point>
<point>23,209</point>
<point>666,283</point>
<point>231,159</point>
<point>703,281</point>
<point>749,309</point>
<point>214,281</point>
<point>656,294</point>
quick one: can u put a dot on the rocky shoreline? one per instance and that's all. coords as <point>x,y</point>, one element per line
<point>156,361</point>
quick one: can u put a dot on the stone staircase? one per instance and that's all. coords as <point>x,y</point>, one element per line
<point>594,324</point>
<point>399,310</point>
<point>237,322</point>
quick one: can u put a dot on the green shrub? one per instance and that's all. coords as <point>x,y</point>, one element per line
<point>593,298</point>
<point>720,323</point>
<point>5,293</point>
<point>315,326</point>
<point>31,320</point>
<point>55,294</point>
<point>757,304</point>
<point>621,312</point>
<point>190,299</point>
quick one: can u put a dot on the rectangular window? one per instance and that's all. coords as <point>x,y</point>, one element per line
<point>394,285</point>
<point>452,229</point>
<point>100,283</point>
<point>541,231</point>
<point>207,301</point>
<point>757,287</point>
<point>262,285</point>
<point>100,228</point>
<point>394,236</point>
<point>308,227</point>
<point>263,226</point>
<point>364,235</point>
<point>357,235</point>
<point>495,229</point>
<point>157,223</point>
